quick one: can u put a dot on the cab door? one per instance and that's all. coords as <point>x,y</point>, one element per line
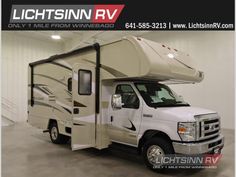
<point>83,100</point>
<point>125,122</point>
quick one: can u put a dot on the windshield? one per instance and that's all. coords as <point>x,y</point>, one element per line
<point>159,95</point>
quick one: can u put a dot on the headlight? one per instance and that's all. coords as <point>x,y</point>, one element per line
<point>187,131</point>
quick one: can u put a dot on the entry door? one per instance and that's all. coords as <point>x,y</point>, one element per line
<point>83,94</point>
<point>125,122</point>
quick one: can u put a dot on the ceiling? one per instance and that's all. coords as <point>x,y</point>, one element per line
<point>76,39</point>
<point>46,35</point>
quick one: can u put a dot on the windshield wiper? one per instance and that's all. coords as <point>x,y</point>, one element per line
<point>169,105</point>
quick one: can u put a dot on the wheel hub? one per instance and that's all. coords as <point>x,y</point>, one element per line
<point>153,153</point>
<point>54,133</point>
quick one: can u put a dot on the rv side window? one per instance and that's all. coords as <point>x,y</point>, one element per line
<point>129,97</point>
<point>85,82</point>
<point>69,84</point>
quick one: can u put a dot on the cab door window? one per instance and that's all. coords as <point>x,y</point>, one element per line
<point>129,97</point>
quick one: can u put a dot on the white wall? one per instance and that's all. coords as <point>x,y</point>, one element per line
<point>17,51</point>
<point>213,53</point>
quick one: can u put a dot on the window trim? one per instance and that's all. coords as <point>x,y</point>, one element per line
<point>90,91</point>
<point>134,93</point>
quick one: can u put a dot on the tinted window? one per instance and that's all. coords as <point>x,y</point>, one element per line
<point>85,82</point>
<point>69,84</point>
<point>129,97</point>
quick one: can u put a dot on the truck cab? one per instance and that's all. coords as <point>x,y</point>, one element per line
<point>153,118</point>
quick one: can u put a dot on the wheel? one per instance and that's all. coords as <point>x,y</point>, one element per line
<point>55,136</point>
<point>153,150</point>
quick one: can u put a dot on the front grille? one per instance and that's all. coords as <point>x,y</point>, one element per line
<point>208,126</point>
<point>211,133</point>
<point>211,121</point>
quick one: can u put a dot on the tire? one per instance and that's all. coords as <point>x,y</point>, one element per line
<point>55,136</point>
<point>153,147</point>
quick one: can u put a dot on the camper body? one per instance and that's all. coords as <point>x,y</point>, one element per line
<point>115,93</point>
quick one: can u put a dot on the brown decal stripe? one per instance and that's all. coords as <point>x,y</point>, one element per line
<point>61,65</point>
<point>49,77</point>
<point>29,85</point>
<point>48,105</point>
<point>69,93</point>
<point>66,109</point>
<point>39,103</point>
<point>47,89</point>
<point>42,87</point>
<point>77,104</point>
<point>78,124</point>
<point>39,88</point>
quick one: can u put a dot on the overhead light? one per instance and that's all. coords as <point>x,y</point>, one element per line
<point>55,37</point>
<point>170,55</point>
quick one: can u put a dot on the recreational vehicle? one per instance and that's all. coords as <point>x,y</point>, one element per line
<point>119,93</point>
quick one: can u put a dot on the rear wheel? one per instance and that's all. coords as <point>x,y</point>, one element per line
<point>55,136</point>
<point>153,150</point>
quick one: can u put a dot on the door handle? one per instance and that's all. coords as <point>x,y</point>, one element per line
<point>111,118</point>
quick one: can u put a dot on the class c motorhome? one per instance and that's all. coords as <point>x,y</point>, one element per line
<point>118,92</point>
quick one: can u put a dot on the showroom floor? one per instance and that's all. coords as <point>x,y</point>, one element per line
<point>27,152</point>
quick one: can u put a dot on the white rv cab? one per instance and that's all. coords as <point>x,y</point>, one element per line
<point>117,92</point>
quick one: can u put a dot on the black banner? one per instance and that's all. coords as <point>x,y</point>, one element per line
<point>118,15</point>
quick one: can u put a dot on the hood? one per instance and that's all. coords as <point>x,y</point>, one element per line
<point>181,114</point>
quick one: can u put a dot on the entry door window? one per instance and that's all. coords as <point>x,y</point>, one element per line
<point>129,97</point>
<point>85,82</point>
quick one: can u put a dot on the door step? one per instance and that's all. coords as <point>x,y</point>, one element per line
<point>124,148</point>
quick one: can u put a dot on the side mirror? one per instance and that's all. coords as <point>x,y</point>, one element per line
<point>116,101</point>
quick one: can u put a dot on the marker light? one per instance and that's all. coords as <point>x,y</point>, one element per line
<point>170,55</point>
<point>55,37</point>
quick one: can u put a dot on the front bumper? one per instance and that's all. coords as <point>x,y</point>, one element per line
<point>200,147</point>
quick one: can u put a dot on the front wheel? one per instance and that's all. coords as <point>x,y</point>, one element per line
<point>55,136</point>
<point>154,150</point>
